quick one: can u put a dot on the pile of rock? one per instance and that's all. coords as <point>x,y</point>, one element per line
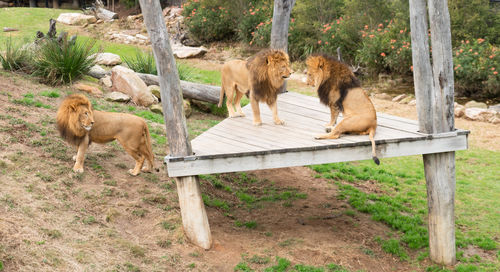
<point>121,84</point>
<point>472,110</point>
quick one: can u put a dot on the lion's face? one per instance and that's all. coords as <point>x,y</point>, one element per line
<point>278,68</point>
<point>314,71</point>
<point>85,117</point>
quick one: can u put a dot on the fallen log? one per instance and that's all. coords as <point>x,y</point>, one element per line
<point>203,92</point>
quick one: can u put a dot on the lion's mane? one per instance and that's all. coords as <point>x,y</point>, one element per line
<point>264,74</point>
<point>337,76</point>
<point>68,118</point>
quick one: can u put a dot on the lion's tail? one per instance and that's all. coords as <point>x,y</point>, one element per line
<point>221,97</point>
<point>149,148</point>
<point>374,153</point>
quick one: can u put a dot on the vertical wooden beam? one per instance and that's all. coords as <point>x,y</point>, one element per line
<point>434,93</point>
<point>279,29</point>
<point>194,217</point>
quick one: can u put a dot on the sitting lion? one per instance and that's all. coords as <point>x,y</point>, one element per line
<point>79,125</point>
<point>262,76</point>
<point>234,84</point>
<point>339,89</point>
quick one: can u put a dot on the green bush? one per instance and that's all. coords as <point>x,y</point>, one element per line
<point>386,49</point>
<point>63,62</point>
<point>15,56</point>
<point>253,16</point>
<point>262,34</point>
<point>209,20</point>
<point>476,68</point>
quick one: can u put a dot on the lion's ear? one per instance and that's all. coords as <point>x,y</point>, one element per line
<point>321,63</point>
<point>269,60</point>
<point>73,107</point>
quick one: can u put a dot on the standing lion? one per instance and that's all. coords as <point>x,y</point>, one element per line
<point>262,76</point>
<point>339,89</point>
<point>79,125</point>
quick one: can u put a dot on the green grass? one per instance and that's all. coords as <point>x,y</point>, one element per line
<point>402,202</point>
<point>29,21</point>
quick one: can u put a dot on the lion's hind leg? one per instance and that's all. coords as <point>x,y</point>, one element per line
<point>230,100</point>
<point>135,152</point>
<point>353,124</point>
<point>237,102</point>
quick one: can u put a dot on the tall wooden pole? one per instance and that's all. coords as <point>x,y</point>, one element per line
<point>434,93</point>
<point>279,29</point>
<point>194,217</point>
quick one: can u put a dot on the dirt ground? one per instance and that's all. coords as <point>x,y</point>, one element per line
<point>106,220</point>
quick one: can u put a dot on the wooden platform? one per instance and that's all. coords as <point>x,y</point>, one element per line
<point>236,145</point>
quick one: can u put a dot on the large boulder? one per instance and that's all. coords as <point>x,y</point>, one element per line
<point>495,108</point>
<point>105,14</point>
<point>184,52</point>
<point>478,114</point>
<point>383,96</point>
<point>108,59</point>
<point>106,82</point>
<point>3,4</point>
<point>126,81</point>
<point>155,90</point>
<point>474,104</point>
<point>459,110</point>
<point>117,97</point>
<point>76,19</point>
<point>399,98</point>
<point>157,108</point>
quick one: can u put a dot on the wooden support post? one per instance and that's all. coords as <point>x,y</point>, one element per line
<point>279,29</point>
<point>194,217</point>
<point>434,93</point>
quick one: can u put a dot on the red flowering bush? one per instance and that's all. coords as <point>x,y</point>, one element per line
<point>476,64</point>
<point>343,33</point>
<point>252,17</point>
<point>261,36</point>
<point>208,21</point>
<point>386,49</point>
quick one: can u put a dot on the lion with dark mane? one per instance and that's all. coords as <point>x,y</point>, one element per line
<point>340,90</point>
<point>79,125</point>
<point>262,76</point>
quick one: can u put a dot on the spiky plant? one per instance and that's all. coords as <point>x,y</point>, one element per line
<point>15,56</point>
<point>142,62</point>
<point>62,62</point>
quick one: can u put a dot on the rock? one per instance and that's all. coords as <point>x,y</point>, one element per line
<point>474,114</point>
<point>406,100</point>
<point>88,89</point>
<point>495,120</point>
<point>109,59</point>
<point>155,90</point>
<point>412,102</point>
<point>106,81</point>
<point>383,96</point>
<point>399,98</point>
<point>141,37</point>
<point>126,81</point>
<point>459,110</point>
<point>474,104</point>
<point>117,97</point>
<point>9,29</point>
<point>495,108</point>
<point>97,72</point>
<point>105,14</point>
<point>76,18</point>
<point>3,4</point>
<point>184,52</point>
<point>299,77</point>
<point>157,108</point>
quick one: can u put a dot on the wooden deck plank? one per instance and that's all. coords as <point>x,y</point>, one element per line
<point>237,145</point>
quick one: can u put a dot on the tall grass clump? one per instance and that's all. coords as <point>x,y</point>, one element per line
<point>142,62</point>
<point>15,56</point>
<point>62,62</point>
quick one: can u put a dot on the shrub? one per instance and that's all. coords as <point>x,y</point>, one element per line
<point>386,49</point>
<point>142,62</point>
<point>251,17</point>
<point>15,56</point>
<point>63,62</point>
<point>262,34</point>
<point>476,68</point>
<point>208,21</point>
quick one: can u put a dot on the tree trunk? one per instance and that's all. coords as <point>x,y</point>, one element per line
<point>434,93</point>
<point>76,4</point>
<point>33,3</point>
<point>194,217</point>
<point>202,92</point>
<point>55,4</point>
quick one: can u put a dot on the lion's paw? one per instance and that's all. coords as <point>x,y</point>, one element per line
<point>74,158</point>
<point>132,172</point>
<point>241,114</point>
<point>78,169</point>
<point>328,129</point>
<point>257,124</point>
<point>279,122</point>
